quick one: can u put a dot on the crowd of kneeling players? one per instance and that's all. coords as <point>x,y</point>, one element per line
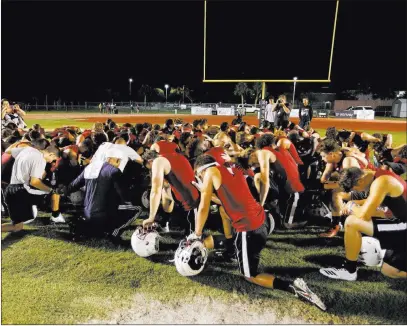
<point>255,179</point>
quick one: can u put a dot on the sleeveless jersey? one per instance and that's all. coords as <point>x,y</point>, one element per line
<point>285,159</point>
<point>397,205</point>
<point>167,147</point>
<point>180,178</point>
<point>216,153</point>
<point>244,211</point>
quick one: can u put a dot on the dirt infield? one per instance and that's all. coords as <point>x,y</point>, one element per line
<point>317,123</point>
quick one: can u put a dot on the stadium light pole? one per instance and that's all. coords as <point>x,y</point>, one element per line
<point>130,81</point>
<point>166,88</point>
<point>295,82</point>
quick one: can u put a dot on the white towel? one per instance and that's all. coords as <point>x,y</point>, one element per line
<point>92,171</point>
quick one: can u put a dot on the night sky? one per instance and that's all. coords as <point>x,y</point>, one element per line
<point>77,50</point>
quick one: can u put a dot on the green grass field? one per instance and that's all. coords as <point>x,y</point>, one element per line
<point>48,279</point>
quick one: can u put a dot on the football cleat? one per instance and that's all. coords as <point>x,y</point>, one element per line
<point>302,290</point>
<point>331,232</point>
<point>339,273</point>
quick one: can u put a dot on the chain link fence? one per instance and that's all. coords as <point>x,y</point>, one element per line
<point>320,108</point>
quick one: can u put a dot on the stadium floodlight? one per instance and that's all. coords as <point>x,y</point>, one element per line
<point>166,88</point>
<point>295,82</point>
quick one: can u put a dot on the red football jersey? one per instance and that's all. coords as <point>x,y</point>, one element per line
<point>244,211</point>
<point>180,179</point>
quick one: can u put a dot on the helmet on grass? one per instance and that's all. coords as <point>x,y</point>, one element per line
<point>371,254</point>
<point>145,242</point>
<point>190,258</point>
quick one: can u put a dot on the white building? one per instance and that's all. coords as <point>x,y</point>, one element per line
<point>399,108</point>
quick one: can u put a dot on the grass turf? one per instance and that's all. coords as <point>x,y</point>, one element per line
<point>47,279</point>
<point>53,280</point>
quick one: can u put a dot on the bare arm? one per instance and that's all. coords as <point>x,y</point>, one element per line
<point>327,172</point>
<point>369,138</point>
<point>206,196</point>
<point>377,194</point>
<point>37,183</point>
<point>157,181</point>
<point>19,110</point>
<point>264,162</point>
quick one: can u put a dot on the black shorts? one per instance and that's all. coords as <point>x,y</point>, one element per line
<point>20,202</point>
<point>248,247</point>
<point>396,258</point>
<point>392,233</point>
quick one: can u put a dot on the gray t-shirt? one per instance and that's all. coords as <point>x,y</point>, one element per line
<point>29,162</point>
<point>270,116</point>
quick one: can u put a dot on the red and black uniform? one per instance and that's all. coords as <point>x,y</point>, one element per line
<point>284,173</point>
<point>180,178</point>
<point>86,134</point>
<point>247,218</point>
<point>216,153</point>
<point>293,152</point>
<point>392,233</point>
<point>167,147</point>
<point>177,134</point>
<point>285,159</point>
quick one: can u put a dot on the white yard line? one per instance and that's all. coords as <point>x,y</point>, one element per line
<point>199,310</point>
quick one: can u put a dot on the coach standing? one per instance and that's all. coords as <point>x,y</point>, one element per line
<point>28,171</point>
<point>305,114</point>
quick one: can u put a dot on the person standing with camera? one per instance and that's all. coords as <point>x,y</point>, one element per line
<point>283,112</point>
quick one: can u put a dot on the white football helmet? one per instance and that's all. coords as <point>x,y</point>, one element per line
<point>145,243</point>
<point>371,253</point>
<point>190,258</point>
<point>77,198</point>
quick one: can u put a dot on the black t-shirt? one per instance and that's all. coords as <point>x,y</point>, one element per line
<point>306,112</point>
<point>281,114</point>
